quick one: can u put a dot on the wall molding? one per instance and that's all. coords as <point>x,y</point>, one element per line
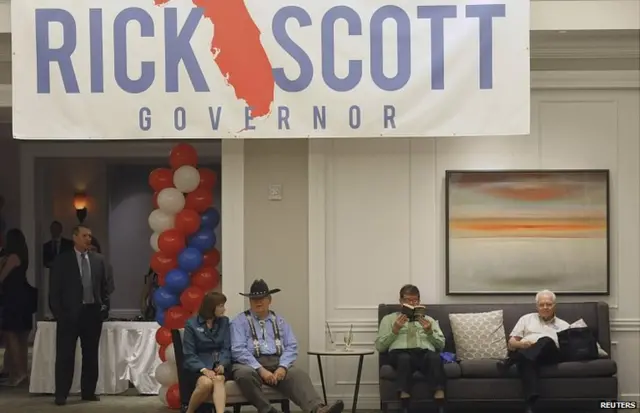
<point>559,80</point>
<point>570,46</point>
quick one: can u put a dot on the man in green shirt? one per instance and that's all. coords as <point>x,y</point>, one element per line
<point>413,345</point>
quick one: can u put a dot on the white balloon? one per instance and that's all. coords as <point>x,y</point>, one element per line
<point>166,374</point>
<point>170,354</point>
<point>153,241</point>
<point>160,221</point>
<point>162,394</point>
<point>171,201</point>
<point>186,179</point>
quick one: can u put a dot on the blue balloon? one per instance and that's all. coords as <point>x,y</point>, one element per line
<point>190,259</point>
<point>210,218</point>
<point>203,240</point>
<point>176,281</point>
<point>164,298</point>
<point>160,316</point>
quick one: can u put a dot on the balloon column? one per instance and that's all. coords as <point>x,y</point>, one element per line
<point>185,257</point>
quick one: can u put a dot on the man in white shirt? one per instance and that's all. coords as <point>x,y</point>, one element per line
<point>534,343</point>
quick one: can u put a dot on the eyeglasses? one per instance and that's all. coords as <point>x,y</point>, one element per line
<point>411,300</point>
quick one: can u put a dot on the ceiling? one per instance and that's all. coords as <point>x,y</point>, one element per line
<point>598,50</point>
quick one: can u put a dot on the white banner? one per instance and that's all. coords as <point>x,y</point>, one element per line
<point>132,69</point>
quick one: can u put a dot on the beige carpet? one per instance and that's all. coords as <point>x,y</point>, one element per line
<point>20,401</point>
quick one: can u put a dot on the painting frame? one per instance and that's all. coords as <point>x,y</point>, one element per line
<point>451,175</point>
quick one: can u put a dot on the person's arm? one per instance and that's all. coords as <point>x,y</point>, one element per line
<point>386,336</point>
<point>10,262</point>
<point>289,345</point>
<point>56,284</point>
<point>225,352</point>
<point>239,351</point>
<point>191,360</point>
<point>435,335</point>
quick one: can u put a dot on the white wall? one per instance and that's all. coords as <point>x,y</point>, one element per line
<point>376,218</point>
<point>275,232</point>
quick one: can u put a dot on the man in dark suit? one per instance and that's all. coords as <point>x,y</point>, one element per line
<point>81,283</point>
<point>57,245</point>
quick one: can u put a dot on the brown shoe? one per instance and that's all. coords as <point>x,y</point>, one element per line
<point>336,407</point>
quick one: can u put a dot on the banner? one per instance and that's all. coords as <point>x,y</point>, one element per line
<point>136,69</point>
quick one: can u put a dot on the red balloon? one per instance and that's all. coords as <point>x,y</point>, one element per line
<point>176,317</point>
<point>207,278</point>
<point>163,336</point>
<point>171,242</point>
<point>162,263</point>
<point>199,200</point>
<point>208,178</point>
<point>191,298</point>
<point>160,179</point>
<point>173,397</point>
<point>183,154</point>
<point>187,221</point>
<point>211,258</point>
<point>155,200</point>
<point>162,353</point>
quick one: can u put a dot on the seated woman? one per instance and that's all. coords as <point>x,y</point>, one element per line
<point>207,352</point>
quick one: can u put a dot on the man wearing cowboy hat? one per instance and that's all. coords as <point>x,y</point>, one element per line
<point>264,350</point>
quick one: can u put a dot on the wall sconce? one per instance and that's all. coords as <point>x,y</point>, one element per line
<point>80,204</point>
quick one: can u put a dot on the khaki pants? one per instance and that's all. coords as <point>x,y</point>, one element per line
<point>296,386</point>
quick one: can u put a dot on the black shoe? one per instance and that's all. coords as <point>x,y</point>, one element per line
<point>91,398</point>
<point>60,401</point>
<point>336,407</point>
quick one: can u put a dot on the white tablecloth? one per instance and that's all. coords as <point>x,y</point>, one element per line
<point>128,353</point>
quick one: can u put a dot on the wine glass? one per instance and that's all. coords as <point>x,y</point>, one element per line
<point>348,339</point>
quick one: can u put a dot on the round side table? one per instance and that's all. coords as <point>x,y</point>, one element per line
<point>342,353</point>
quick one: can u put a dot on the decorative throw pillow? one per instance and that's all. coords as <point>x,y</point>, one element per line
<point>581,324</point>
<point>479,335</point>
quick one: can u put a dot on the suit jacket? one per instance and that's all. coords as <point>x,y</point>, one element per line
<point>49,252</point>
<point>65,284</point>
<point>206,348</point>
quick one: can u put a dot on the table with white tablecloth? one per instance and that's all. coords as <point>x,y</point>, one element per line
<point>128,354</point>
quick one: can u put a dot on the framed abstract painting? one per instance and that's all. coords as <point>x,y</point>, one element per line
<point>519,232</point>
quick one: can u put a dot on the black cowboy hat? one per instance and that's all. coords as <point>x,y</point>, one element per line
<point>260,289</point>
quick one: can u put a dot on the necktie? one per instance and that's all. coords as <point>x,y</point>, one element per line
<point>87,286</point>
<point>56,249</point>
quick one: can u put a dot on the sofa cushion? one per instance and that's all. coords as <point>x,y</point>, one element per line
<point>573,369</point>
<point>451,370</point>
<point>479,335</point>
